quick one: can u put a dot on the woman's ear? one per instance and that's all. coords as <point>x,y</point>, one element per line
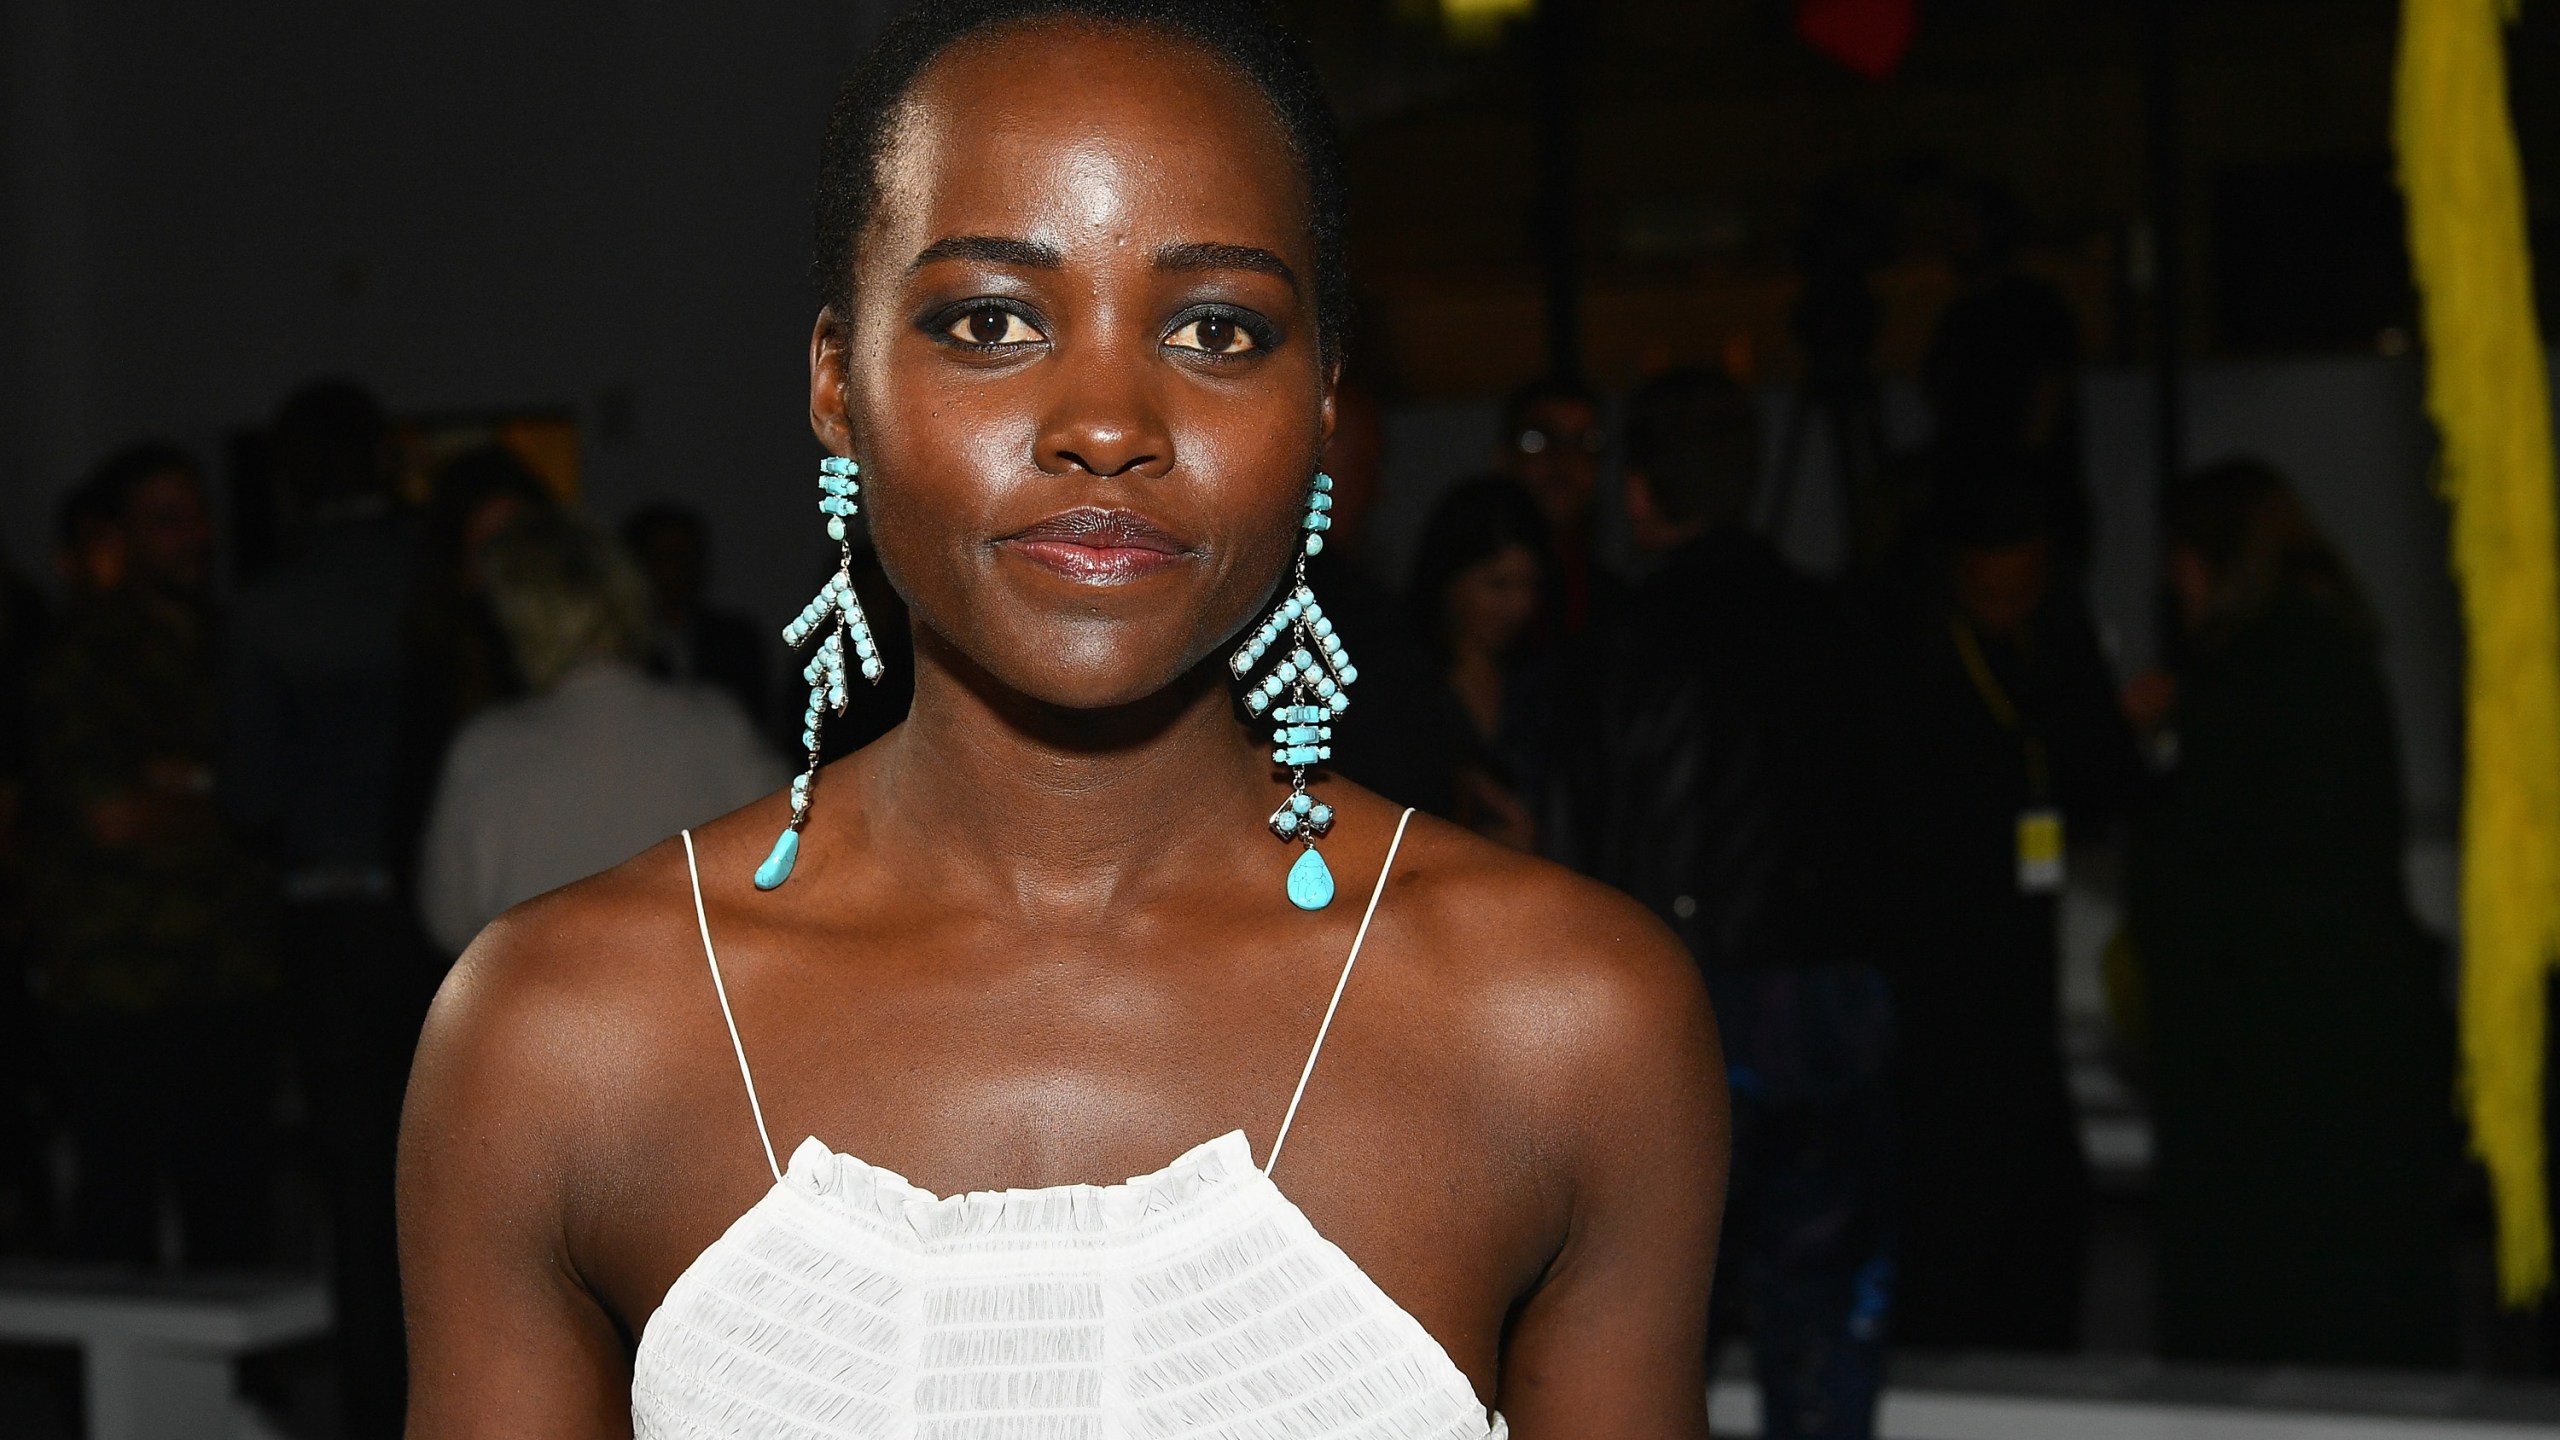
<point>827,416</point>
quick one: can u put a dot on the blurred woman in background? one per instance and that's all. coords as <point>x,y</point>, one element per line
<point>2298,1019</point>
<point>599,762</point>
<point>1480,582</point>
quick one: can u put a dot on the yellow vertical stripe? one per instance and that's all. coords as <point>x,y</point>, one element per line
<point>2492,407</point>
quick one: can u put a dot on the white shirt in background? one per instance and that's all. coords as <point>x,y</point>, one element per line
<point>542,791</point>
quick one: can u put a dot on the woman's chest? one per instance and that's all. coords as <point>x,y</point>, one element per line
<point>1393,1158</point>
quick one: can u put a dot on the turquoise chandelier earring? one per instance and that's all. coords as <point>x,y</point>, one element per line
<point>1302,695</point>
<point>835,613</point>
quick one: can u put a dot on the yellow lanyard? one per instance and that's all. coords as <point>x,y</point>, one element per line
<point>1995,698</point>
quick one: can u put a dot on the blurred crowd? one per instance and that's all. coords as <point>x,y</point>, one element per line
<point>1859,799</point>
<point>242,840</point>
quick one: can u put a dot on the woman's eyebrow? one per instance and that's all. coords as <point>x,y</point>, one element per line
<point>1208,255</point>
<point>989,250</point>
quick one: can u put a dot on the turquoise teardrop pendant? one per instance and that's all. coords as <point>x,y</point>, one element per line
<point>1310,881</point>
<point>786,852</point>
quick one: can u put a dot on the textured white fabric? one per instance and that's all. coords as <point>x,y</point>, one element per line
<point>1193,1302</point>
<point>538,792</point>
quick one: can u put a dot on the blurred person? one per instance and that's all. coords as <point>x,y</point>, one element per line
<point>1716,779</point>
<point>2299,1034</point>
<point>1553,443</point>
<point>1401,746</point>
<point>2001,739</point>
<point>152,935</point>
<point>1480,580</point>
<point>2002,370</point>
<point>599,761</point>
<point>458,660</point>
<point>688,639</point>
<point>318,694</point>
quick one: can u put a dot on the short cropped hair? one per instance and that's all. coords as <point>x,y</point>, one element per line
<point>1694,434</point>
<point>330,439</point>
<point>1241,33</point>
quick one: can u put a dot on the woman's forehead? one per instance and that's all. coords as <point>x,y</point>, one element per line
<point>1074,136</point>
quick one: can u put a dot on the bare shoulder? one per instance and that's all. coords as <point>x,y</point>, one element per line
<point>586,960</point>
<point>575,1013</point>
<point>1578,998</point>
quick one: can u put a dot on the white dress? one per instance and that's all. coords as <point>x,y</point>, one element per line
<point>1196,1301</point>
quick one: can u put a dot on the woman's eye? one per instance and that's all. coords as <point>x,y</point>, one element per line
<point>993,325</point>
<point>1212,334</point>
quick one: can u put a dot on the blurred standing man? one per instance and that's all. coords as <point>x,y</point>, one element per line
<point>1716,783</point>
<point>150,925</point>
<point>2004,739</point>
<point>317,696</point>
<point>1553,443</point>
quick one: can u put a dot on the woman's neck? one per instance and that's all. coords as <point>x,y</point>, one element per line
<point>1056,811</point>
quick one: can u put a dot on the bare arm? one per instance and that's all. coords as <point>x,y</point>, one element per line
<point>504,1337</point>
<point>1613,1341</point>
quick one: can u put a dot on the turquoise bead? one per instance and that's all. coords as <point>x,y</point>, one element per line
<point>1310,883</point>
<point>786,853</point>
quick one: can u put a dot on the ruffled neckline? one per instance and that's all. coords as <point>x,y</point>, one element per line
<point>855,1187</point>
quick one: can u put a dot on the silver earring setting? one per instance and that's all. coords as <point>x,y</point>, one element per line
<point>1304,694</point>
<point>836,613</point>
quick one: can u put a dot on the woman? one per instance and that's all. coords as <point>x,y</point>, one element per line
<point>2299,1033</point>
<point>1479,583</point>
<point>599,761</point>
<point>1082,278</point>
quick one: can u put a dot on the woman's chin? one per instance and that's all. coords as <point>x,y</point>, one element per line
<point>1100,680</point>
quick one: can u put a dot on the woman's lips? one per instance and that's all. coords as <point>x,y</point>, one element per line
<point>1098,547</point>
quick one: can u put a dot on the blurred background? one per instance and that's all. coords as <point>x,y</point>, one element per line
<point>1934,496</point>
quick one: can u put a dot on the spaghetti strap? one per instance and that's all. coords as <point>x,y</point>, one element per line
<point>1334,1004</point>
<point>717,988</point>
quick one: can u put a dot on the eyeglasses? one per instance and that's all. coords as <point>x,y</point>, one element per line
<point>1534,441</point>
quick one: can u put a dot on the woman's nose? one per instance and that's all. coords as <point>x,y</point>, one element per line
<point>1105,422</point>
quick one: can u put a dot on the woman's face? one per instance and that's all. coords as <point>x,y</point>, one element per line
<point>1492,601</point>
<point>1082,374</point>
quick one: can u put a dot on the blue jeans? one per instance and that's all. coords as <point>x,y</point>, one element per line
<point>1807,1259</point>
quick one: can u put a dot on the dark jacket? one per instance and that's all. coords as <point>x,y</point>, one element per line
<point>1713,770</point>
<point>317,681</point>
<point>2301,1045</point>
